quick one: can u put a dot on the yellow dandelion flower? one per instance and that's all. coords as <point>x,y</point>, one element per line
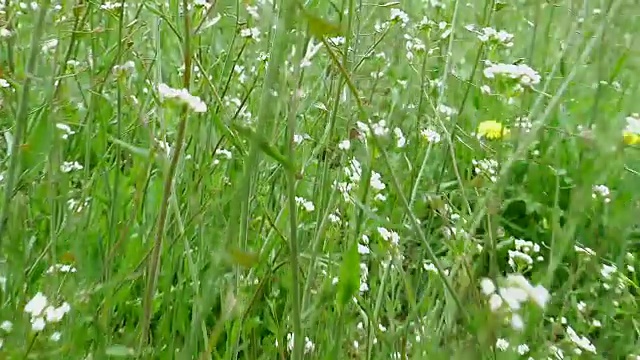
<point>492,130</point>
<point>630,138</point>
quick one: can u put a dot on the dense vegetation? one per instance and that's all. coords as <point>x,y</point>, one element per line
<point>417,179</point>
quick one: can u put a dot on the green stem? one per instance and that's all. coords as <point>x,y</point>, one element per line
<point>21,117</point>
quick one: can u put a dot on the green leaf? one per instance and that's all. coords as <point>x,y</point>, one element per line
<point>119,351</point>
<point>319,27</point>
<point>349,280</point>
<point>145,153</point>
<point>264,145</point>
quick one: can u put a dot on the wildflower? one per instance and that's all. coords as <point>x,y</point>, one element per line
<point>251,33</point>
<point>36,305</point>
<point>631,132</point>
<point>4,83</point>
<point>306,204</point>
<point>522,349</point>
<point>516,322</point>
<point>68,166</point>
<point>492,130</point>
<point>63,268</point>
<point>601,191</point>
<point>502,344</point>
<point>376,181</point>
<point>487,167</point>
<point>399,16</point>
<point>49,45</point>
<point>37,324</point>
<point>581,341</point>
<point>487,286</point>
<point>390,236</point>
<point>55,337</point>
<point>55,314</point>
<point>65,129</point>
<point>401,141</point>
<point>525,75</point>
<point>430,135</point>
<point>5,33</point>
<point>344,145</point>
<point>6,326</point>
<point>500,37</point>
<point>194,102</point>
<point>607,271</point>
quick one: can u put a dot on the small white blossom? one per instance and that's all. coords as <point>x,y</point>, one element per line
<point>194,102</point>
<point>69,166</point>
<point>36,305</point>
<point>502,344</point>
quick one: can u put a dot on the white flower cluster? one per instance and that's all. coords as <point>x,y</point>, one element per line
<point>633,124</point>
<point>309,346</point>
<point>69,166</point>
<point>601,191</point>
<point>306,204</point>
<point>63,268</point>
<point>66,130</point>
<point>42,312</point>
<point>516,291</point>
<point>524,74</point>
<point>399,16</point>
<point>354,174</point>
<point>521,258</point>
<point>487,167</point>
<point>430,135</point>
<point>194,102</point>
<point>488,34</point>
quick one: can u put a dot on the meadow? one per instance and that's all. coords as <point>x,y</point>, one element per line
<point>319,179</point>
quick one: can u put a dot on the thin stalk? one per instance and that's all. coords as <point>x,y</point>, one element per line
<point>21,117</point>
<point>154,265</point>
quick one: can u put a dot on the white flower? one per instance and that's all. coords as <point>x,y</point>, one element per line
<point>251,33</point>
<point>487,286</point>
<point>522,349</point>
<point>55,337</point>
<point>194,102</point>
<point>495,302</point>
<point>363,249</point>
<point>36,305</point>
<point>514,297</point>
<point>502,344</point>
<point>4,83</point>
<point>38,324</point>
<point>69,166</point>
<point>400,16</point>
<point>306,204</point>
<point>6,326</point>
<point>633,124</point>
<point>580,341</point>
<point>376,181</point>
<point>4,33</point>
<point>521,72</point>
<point>344,145</point>
<point>401,141</point>
<point>607,271</point>
<point>601,191</point>
<point>516,322</point>
<point>390,236</point>
<point>430,135</point>
<point>298,139</point>
<point>54,314</point>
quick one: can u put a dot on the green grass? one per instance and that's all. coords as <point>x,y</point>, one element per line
<point>337,187</point>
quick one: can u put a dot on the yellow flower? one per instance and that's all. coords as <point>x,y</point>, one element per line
<point>630,138</point>
<point>492,130</point>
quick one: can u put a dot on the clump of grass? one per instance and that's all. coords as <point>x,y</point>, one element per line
<point>260,180</point>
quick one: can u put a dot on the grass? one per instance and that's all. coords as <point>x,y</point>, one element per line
<point>381,179</point>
